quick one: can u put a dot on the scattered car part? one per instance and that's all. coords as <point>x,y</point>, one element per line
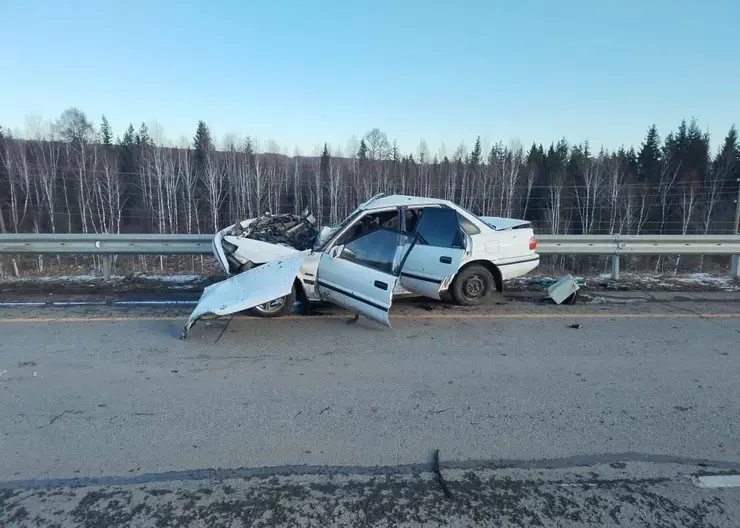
<point>564,289</point>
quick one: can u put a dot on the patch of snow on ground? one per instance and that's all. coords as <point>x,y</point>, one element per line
<point>92,278</point>
<point>61,278</point>
<point>169,278</point>
<point>703,278</point>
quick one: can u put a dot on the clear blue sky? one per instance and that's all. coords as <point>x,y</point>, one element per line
<point>303,72</point>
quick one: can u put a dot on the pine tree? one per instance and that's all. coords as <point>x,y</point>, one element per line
<point>142,137</point>
<point>649,157</point>
<point>324,164</point>
<point>727,164</point>
<point>475,156</point>
<point>202,144</point>
<point>126,145</point>
<point>535,155</point>
<point>129,137</point>
<point>362,151</point>
<point>106,134</point>
<point>395,154</point>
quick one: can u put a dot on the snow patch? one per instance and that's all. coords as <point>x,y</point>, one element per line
<point>93,278</point>
<point>60,278</point>
<point>169,278</point>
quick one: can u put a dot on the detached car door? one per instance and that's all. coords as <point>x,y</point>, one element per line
<point>437,253</point>
<point>361,275</point>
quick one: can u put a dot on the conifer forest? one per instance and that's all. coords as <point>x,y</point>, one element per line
<point>78,177</point>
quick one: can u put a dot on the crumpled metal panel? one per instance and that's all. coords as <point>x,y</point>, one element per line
<point>562,289</point>
<point>256,286</point>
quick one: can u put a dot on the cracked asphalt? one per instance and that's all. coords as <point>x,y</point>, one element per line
<point>108,419</point>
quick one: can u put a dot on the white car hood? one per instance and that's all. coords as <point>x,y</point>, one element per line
<point>246,290</point>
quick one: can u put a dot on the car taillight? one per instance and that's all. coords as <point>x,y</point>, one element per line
<point>532,243</point>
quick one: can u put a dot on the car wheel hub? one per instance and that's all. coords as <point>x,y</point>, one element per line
<point>474,286</point>
<point>272,306</point>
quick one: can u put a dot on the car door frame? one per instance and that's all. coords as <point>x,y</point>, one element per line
<point>333,240</point>
<point>433,287</point>
<point>376,308</point>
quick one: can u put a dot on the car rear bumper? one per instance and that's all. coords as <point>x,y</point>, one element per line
<point>518,267</point>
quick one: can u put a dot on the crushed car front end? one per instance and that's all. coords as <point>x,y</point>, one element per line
<point>254,241</point>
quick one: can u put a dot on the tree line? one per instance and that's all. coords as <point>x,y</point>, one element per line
<point>79,178</point>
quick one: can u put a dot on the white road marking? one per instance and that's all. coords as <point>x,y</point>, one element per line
<point>718,481</point>
<point>95,303</point>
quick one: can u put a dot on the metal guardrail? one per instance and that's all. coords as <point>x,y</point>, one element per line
<point>106,244</point>
<point>154,244</point>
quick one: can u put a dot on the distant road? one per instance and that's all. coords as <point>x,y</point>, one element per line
<point>111,392</point>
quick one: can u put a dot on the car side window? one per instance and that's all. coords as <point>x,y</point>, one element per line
<point>382,249</point>
<point>439,226</point>
<point>370,223</point>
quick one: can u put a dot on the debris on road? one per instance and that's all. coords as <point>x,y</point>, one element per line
<point>564,290</point>
<point>576,326</point>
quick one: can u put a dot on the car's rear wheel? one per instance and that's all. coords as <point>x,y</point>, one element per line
<point>276,307</point>
<point>473,285</point>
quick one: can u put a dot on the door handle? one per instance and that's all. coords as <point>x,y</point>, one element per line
<point>382,285</point>
<point>445,260</point>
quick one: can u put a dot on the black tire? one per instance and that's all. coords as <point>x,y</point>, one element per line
<point>278,311</point>
<point>473,286</point>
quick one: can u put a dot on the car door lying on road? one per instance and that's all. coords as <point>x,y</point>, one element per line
<point>361,275</point>
<point>437,253</point>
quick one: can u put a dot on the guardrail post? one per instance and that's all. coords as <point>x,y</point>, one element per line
<point>615,267</point>
<point>107,261</point>
<point>735,266</point>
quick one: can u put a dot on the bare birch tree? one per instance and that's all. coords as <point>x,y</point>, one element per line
<point>48,154</point>
<point>614,192</point>
<point>189,181</point>
<point>213,180</point>
<point>588,192</point>
<point>686,212</point>
<point>297,187</point>
<point>510,177</point>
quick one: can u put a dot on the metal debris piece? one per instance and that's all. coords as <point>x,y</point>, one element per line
<point>297,231</point>
<point>576,326</point>
<point>565,289</point>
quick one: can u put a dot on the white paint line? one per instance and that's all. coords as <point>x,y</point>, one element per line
<point>96,303</point>
<point>718,481</point>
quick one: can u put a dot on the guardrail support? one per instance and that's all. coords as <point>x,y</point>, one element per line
<point>615,267</point>
<point>107,262</point>
<point>735,266</point>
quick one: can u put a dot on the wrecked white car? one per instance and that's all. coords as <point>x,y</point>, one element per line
<point>389,246</point>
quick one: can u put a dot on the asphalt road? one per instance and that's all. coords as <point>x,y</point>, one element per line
<point>107,417</point>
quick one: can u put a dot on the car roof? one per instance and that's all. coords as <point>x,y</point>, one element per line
<point>397,200</point>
